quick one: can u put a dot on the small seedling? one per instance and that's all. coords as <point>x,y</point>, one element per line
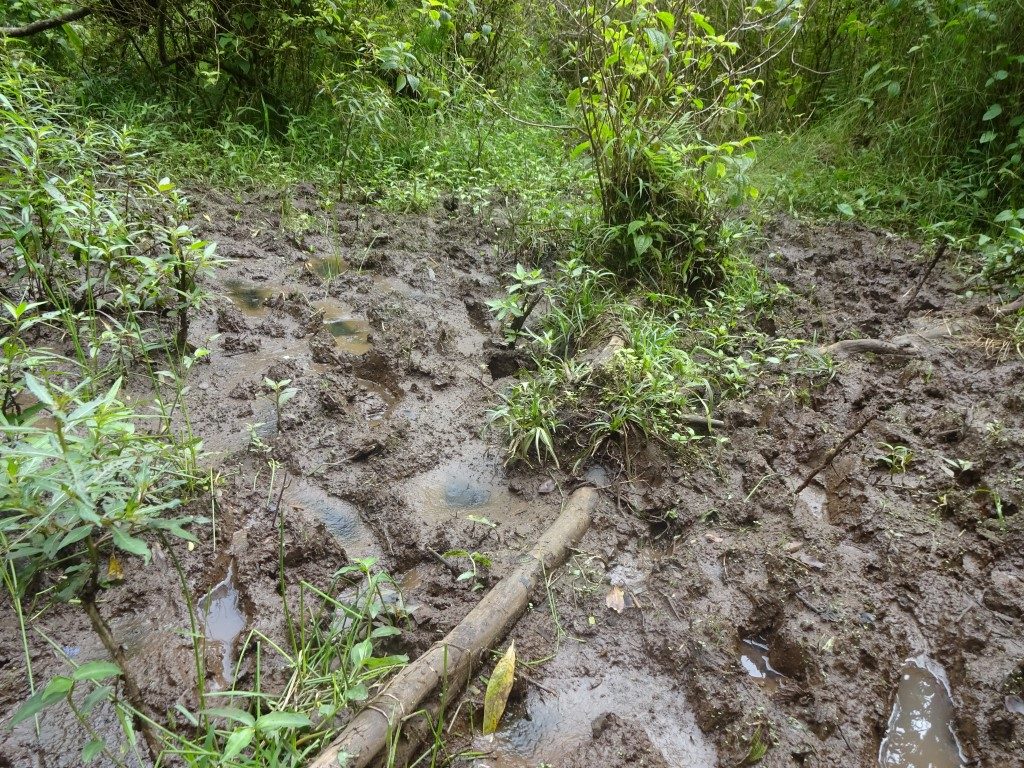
<point>955,467</point>
<point>524,292</point>
<point>897,458</point>
<point>477,562</point>
<point>280,393</point>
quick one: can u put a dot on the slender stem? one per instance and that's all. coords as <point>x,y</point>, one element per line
<point>131,689</point>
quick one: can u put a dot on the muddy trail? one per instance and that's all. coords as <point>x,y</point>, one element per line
<point>876,617</point>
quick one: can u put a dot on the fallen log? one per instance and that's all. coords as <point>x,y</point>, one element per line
<point>450,661</point>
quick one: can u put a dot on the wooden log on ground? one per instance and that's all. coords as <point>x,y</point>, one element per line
<point>450,661</point>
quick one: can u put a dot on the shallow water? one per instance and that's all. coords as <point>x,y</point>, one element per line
<point>352,336</point>
<point>328,266</point>
<point>462,488</point>
<point>921,732</point>
<point>223,621</point>
<point>754,660</point>
<point>340,517</point>
<point>558,723</point>
<point>248,298</point>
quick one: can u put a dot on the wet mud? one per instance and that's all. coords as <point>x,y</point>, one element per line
<point>758,625</point>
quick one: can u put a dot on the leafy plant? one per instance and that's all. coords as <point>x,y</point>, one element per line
<point>896,457</point>
<point>82,487</point>
<point>524,291</point>
<point>653,88</point>
<point>477,562</point>
<point>332,667</point>
<point>279,393</point>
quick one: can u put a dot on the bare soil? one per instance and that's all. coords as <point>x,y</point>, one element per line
<point>382,454</point>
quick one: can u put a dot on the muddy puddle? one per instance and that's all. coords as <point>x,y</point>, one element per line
<point>465,487</point>
<point>340,517</point>
<point>328,267</point>
<point>756,664</point>
<point>352,336</point>
<point>223,619</point>
<point>921,733</point>
<point>573,709</point>
<point>249,298</point>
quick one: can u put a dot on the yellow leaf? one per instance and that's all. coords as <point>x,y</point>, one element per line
<point>616,599</point>
<point>114,570</point>
<point>498,689</point>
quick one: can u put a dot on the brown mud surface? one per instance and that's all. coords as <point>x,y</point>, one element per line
<point>751,614</point>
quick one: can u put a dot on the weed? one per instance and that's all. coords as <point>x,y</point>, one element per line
<point>896,458</point>
<point>477,562</point>
<point>279,393</point>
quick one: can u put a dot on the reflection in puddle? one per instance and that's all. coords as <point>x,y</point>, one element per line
<point>814,500</point>
<point>223,621</point>
<point>248,298</point>
<point>352,336</point>
<point>327,266</point>
<point>754,660</point>
<point>558,724</point>
<point>376,402</point>
<point>340,517</point>
<point>461,488</point>
<point>920,732</point>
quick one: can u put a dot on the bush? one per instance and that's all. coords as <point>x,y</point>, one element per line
<point>657,97</point>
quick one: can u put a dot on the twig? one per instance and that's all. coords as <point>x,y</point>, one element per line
<point>42,25</point>
<point>835,451</point>
<point>912,296</point>
<point>450,566</point>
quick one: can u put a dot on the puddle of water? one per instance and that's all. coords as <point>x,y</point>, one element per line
<point>920,732</point>
<point>377,403</point>
<point>462,488</point>
<point>223,621</point>
<point>341,518</point>
<point>814,499</point>
<point>351,336</point>
<point>1014,704</point>
<point>558,724</point>
<point>248,298</point>
<point>754,660</point>
<point>327,267</point>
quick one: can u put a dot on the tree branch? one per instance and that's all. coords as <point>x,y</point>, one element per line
<point>44,24</point>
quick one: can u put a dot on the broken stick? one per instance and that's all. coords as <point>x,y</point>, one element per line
<point>449,662</point>
<point>912,295</point>
<point>836,450</point>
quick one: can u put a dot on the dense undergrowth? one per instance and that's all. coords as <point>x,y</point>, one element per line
<point>617,141</point>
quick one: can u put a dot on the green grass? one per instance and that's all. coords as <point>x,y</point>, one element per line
<point>678,360</point>
<point>833,169</point>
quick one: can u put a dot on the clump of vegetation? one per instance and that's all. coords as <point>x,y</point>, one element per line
<point>658,95</point>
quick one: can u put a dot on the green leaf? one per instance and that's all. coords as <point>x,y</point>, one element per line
<point>231,713</point>
<point>992,112</point>
<point>101,693</point>
<point>238,741</point>
<point>92,750</point>
<point>642,243</point>
<point>40,391</point>
<point>273,721</point>
<point>579,149</point>
<point>130,544</point>
<point>56,690</point>
<point>96,670</point>
<point>74,536</point>
<point>360,652</point>
<point>846,209</point>
<point>986,137</point>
